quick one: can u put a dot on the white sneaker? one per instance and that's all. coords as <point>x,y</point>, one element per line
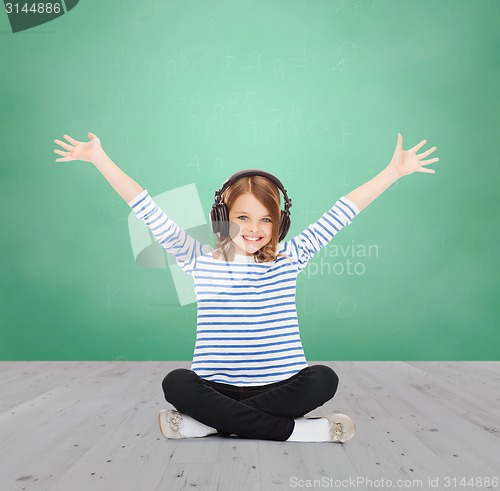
<point>170,420</point>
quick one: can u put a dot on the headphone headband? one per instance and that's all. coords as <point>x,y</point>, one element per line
<point>249,173</point>
<point>219,213</point>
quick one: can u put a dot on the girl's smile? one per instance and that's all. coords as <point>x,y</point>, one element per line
<point>251,239</point>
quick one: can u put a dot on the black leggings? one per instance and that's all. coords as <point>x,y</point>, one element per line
<point>264,412</point>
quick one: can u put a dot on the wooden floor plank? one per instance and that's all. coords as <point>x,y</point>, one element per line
<point>433,382</point>
<point>244,455</point>
<point>10,369</point>
<point>34,379</point>
<point>470,378</point>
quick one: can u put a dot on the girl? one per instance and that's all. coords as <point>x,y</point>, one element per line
<point>249,376</point>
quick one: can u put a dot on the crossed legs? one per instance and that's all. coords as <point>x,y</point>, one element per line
<point>267,415</point>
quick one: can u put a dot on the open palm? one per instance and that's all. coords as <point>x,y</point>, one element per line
<point>406,162</point>
<point>86,151</point>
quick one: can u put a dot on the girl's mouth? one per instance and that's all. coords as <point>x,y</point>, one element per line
<point>251,239</point>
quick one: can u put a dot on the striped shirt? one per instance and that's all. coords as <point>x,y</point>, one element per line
<point>247,328</point>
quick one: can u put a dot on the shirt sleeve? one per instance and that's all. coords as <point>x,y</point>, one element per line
<point>305,245</point>
<point>168,234</point>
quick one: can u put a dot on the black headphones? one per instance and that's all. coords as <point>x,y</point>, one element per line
<point>219,215</point>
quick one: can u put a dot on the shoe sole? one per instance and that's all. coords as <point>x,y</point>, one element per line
<point>166,430</point>
<point>348,426</point>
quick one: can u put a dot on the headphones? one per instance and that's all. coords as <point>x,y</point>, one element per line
<point>219,215</point>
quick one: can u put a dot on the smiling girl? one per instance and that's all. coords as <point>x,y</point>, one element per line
<point>249,376</point>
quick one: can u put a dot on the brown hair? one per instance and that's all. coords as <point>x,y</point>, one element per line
<point>268,194</point>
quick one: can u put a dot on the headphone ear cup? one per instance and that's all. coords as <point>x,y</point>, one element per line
<point>224,221</point>
<point>284,225</point>
<point>220,220</point>
<point>213,221</point>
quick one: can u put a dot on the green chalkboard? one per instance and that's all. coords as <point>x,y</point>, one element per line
<point>314,92</point>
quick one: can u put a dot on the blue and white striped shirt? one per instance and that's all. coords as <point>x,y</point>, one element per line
<point>248,332</point>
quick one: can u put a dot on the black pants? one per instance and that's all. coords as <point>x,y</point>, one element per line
<point>264,412</point>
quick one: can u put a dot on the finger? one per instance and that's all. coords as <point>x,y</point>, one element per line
<point>427,171</point>
<point>60,152</point>
<point>427,162</point>
<point>63,144</point>
<point>427,152</point>
<point>61,160</point>
<point>71,140</point>
<point>418,146</point>
<point>399,143</point>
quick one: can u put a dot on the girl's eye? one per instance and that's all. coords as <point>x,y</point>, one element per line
<point>244,216</point>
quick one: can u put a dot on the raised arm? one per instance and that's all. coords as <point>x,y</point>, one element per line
<point>168,234</point>
<point>93,152</point>
<point>403,162</point>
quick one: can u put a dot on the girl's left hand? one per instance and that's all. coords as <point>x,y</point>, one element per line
<point>406,162</point>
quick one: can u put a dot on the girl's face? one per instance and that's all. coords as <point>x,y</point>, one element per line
<point>249,219</point>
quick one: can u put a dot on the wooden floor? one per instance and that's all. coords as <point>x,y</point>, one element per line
<point>70,426</point>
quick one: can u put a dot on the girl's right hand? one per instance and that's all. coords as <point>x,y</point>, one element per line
<point>86,151</point>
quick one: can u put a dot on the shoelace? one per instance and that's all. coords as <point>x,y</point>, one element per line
<point>175,420</point>
<point>337,432</point>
